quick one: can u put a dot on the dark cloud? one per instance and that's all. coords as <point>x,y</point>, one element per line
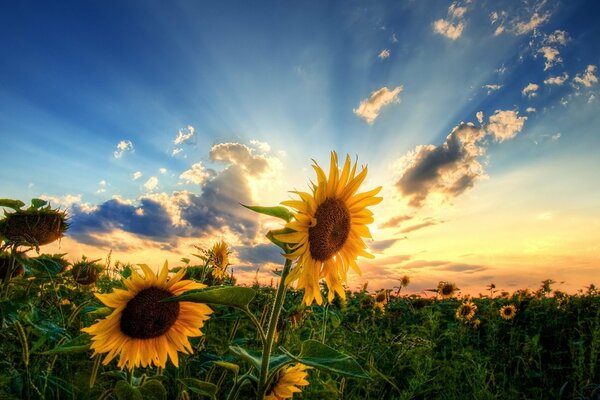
<point>396,221</point>
<point>465,268</point>
<point>380,245</point>
<point>260,254</point>
<point>426,223</point>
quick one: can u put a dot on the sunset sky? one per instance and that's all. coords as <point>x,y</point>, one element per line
<point>151,121</point>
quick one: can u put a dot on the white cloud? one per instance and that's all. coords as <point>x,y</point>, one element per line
<point>505,125</point>
<point>446,28</point>
<point>65,201</point>
<point>558,37</point>
<point>162,170</point>
<point>370,108</point>
<point>530,109</point>
<point>557,80</point>
<point>535,21</point>
<point>122,147</point>
<point>556,136</point>
<point>587,78</point>
<point>240,155</point>
<point>492,88</point>
<point>479,116</point>
<point>102,182</point>
<point>394,39</point>
<point>499,30</point>
<point>530,90</point>
<point>494,17</point>
<point>262,146</point>
<point>551,55</point>
<point>385,53</point>
<point>591,98</point>
<point>176,151</point>
<point>137,175</point>
<point>151,183</point>
<point>456,11</point>
<point>184,136</point>
<point>197,174</point>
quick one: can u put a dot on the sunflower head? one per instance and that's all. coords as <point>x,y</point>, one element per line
<point>288,381</point>
<point>446,290</point>
<point>475,323</point>
<point>328,226</point>
<point>466,311</point>
<point>86,272</point>
<point>405,281</point>
<point>219,259</point>
<point>36,226</point>
<point>142,330</point>
<point>508,312</point>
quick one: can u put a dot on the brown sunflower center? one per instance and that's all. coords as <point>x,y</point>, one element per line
<point>145,317</point>
<point>466,310</point>
<point>330,233</point>
<point>447,290</point>
<point>507,311</point>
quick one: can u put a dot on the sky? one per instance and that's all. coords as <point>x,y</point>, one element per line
<point>150,122</point>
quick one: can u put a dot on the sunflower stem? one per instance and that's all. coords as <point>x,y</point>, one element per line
<point>259,328</point>
<point>268,345</point>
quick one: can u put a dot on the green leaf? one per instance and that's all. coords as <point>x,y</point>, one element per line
<point>234,296</point>
<point>321,356</point>
<point>276,211</point>
<point>230,366</point>
<point>153,390</point>
<point>200,387</point>
<point>124,391</point>
<point>80,344</point>
<point>45,264</point>
<point>10,203</point>
<point>271,236</point>
<point>38,203</point>
<point>255,358</point>
<point>335,319</point>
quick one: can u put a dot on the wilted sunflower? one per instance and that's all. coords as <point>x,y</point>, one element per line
<point>329,225</point>
<point>466,311</point>
<point>86,272</point>
<point>219,259</point>
<point>446,290</point>
<point>289,378</point>
<point>35,226</point>
<point>141,330</point>
<point>508,312</point>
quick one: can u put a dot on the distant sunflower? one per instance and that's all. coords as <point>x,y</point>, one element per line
<point>508,312</point>
<point>141,330</point>
<point>381,299</point>
<point>219,259</point>
<point>446,290</point>
<point>289,378</point>
<point>466,311</point>
<point>329,226</point>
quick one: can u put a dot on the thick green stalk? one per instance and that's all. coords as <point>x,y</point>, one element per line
<point>268,345</point>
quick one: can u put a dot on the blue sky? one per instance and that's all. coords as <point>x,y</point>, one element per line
<point>94,94</point>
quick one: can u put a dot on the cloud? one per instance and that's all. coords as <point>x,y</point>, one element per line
<point>260,254</point>
<point>151,183</point>
<point>558,37</point>
<point>262,146</point>
<point>67,201</point>
<point>551,55</point>
<point>587,78</point>
<point>184,136</point>
<point>240,155</point>
<point>492,88</point>
<point>394,222</point>
<point>591,98</point>
<point>176,151</point>
<point>505,125</point>
<point>380,245</point>
<point>530,109</point>
<point>479,116</point>
<point>522,27</point>
<point>446,28</point>
<point>370,108</point>
<point>162,170</point>
<point>424,224</point>
<point>122,147</point>
<point>557,80</point>
<point>530,90</point>
<point>453,167</point>
<point>137,175</point>
<point>385,53</point>
<point>197,174</point>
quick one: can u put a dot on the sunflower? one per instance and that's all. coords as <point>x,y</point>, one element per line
<point>446,290</point>
<point>143,331</point>
<point>381,299</point>
<point>329,225</point>
<point>466,311</point>
<point>289,378</point>
<point>219,259</point>
<point>508,312</point>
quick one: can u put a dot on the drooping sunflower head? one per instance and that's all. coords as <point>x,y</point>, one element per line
<point>219,259</point>
<point>508,312</point>
<point>466,311</point>
<point>328,226</point>
<point>142,330</point>
<point>86,272</point>
<point>35,226</point>
<point>446,290</point>
<point>405,281</point>
<point>288,382</point>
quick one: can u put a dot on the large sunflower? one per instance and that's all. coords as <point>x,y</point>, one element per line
<point>141,330</point>
<point>289,378</point>
<point>329,226</point>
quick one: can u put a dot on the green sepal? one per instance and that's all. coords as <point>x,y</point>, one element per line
<point>38,203</point>
<point>199,387</point>
<point>275,211</point>
<point>321,356</point>
<point>233,296</point>
<point>10,203</point>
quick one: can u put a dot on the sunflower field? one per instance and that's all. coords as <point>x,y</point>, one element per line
<point>98,329</point>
